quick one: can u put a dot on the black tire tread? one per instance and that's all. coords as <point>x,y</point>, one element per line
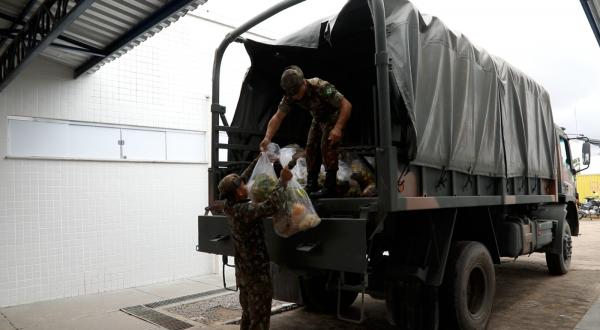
<point>555,262</point>
<point>455,269</point>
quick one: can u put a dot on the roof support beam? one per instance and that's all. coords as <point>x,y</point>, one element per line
<point>160,15</point>
<point>20,20</point>
<point>78,49</point>
<point>8,17</point>
<point>82,45</point>
<point>9,33</point>
<point>48,22</point>
<point>592,14</point>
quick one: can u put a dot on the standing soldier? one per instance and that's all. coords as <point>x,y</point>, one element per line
<point>330,111</point>
<point>252,269</point>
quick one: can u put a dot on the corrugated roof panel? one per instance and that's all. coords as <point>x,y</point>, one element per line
<point>114,16</point>
<point>105,22</point>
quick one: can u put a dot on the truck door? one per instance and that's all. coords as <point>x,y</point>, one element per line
<point>567,177</point>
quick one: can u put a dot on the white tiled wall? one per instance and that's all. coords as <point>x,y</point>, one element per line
<point>76,227</point>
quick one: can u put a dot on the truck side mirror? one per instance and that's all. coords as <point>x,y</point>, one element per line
<point>585,153</point>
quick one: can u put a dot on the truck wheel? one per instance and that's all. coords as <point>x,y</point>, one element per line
<point>316,296</point>
<point>412,305</point>
<point>558,263</point>
<point>469,286</point>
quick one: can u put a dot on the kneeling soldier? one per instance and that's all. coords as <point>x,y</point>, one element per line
<point>252,271</point>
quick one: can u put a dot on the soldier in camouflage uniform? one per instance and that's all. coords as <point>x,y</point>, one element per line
<point>252,270</point>
<point>330,111</point>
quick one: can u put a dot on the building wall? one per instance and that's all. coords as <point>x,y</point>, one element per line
<point>70,228</point>
<point>587,184</point>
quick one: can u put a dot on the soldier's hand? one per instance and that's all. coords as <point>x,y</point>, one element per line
<point>264,143</point>
<point>285,175</point>
<point>335,135</point>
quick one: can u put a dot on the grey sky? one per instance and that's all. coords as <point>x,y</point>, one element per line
<point>550,40</point>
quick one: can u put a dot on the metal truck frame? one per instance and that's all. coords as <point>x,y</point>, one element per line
<point>429,237</point>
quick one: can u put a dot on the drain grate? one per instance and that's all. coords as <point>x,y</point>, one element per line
<point>184,298</point>
<point>154,317</point>
<point>208,311</point>
<point>278,310</point>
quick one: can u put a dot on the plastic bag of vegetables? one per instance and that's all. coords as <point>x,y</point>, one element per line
<point>365,178</point>
<point>263,179</point>
<point>297,214</point>
<point>294,152</point>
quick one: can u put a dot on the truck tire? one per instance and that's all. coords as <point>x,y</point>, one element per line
<point>412,305</point>
<point>558,263</point>
<point>469,286</point>
<point>317,297</point>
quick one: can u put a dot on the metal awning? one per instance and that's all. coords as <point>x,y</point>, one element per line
<point>592,11</point>
<point>82,34</point>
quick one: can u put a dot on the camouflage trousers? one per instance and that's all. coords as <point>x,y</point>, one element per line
<point>256,296</point>
<point>319,149</point>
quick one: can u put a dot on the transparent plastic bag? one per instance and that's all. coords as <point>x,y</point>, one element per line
<point>287,153</point>
<point>263,179</point>
<point>300,171</point>
<point>344,171</point>
<point>273,152</point>
<point>297,213</point>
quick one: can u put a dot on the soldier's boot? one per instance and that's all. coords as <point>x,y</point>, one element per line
<point>312,182</point>
<point>329,188</point>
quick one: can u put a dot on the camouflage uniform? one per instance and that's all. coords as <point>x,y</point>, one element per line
<point>252,271</point>
<point>323,101</point>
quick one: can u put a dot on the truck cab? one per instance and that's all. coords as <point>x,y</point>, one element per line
<point>567,185</point>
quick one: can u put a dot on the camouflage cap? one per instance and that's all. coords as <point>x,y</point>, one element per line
<point>291,80</point>
<point>228,185</point>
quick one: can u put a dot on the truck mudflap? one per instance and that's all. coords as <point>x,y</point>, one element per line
<point>335,244</point>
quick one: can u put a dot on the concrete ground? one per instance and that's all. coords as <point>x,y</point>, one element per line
<point>102,311</point>
<point>526,298</point>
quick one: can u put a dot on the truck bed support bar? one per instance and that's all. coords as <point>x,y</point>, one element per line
<point>229,38</point>
<point>386,153</point>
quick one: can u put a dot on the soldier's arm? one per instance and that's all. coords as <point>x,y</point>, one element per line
<point>274,123</point>
<point>331,95</point>
<point>345,111</point>
<point>248,171</point>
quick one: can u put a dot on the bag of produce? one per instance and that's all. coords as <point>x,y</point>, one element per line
<point>263,179</point>
<point>297,213</point>
<point>294,152</point>
<point>365,178</point>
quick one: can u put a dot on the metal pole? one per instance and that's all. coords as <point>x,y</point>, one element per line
<point>216,108</point>
<point>386,153</point>
<point>589,9</point>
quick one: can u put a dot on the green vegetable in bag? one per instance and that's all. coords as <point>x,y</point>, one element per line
<point>262,187</point>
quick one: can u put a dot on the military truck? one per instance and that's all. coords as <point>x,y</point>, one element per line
<point>470,167</point>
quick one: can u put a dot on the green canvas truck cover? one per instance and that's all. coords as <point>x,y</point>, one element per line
<point>454,105</point>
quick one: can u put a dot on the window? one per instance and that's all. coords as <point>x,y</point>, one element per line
<point>46,138</point>
<point>564,154</point>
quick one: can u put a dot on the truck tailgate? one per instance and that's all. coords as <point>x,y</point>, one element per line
<point>335,244</point>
